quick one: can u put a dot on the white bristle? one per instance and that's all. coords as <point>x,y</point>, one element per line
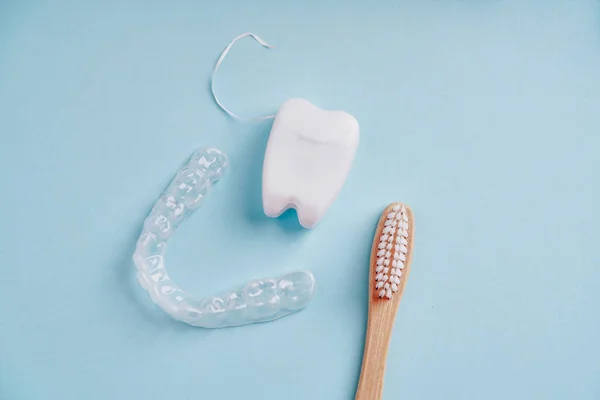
<point>392,252</point>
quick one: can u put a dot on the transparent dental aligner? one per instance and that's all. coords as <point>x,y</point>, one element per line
<point>258,301</point>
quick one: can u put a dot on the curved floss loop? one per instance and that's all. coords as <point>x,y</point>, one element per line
<point>258,301</point>
<point>218,64</point>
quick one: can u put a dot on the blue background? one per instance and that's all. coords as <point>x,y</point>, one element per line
<point>484,116</point>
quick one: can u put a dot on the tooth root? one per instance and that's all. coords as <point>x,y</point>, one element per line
<point>301,132</point>
<point>309,214</point>
<point>275,206</point>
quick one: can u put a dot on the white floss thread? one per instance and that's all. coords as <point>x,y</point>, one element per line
<point>218,64</point>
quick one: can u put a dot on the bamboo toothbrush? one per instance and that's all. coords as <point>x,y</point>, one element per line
<point>388,270</point>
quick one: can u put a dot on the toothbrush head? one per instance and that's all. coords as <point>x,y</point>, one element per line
<point>391,252</point>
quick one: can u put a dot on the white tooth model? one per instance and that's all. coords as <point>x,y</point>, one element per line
<point>308,157</point>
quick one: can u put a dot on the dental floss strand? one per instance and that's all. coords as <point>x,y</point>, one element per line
<point>218,64</point>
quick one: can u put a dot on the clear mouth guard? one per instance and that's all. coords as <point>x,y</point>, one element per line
<point>260,300</point>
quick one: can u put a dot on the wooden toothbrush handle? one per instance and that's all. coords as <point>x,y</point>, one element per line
<point>379,332</point>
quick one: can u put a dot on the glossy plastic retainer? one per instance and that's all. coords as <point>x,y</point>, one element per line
<point>260,300</point>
